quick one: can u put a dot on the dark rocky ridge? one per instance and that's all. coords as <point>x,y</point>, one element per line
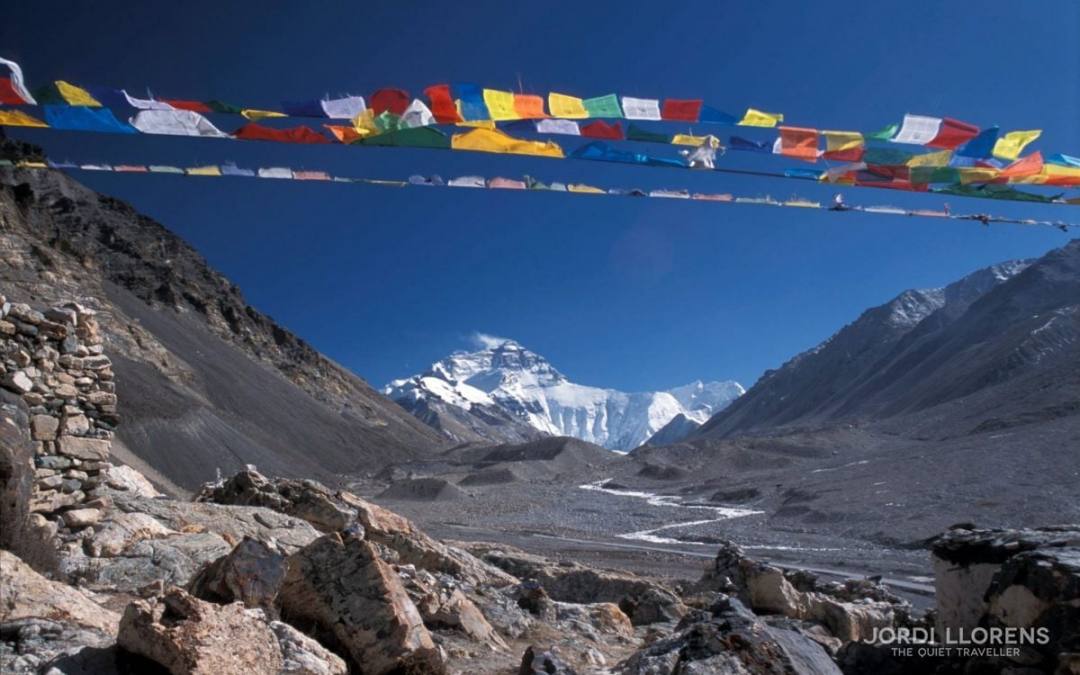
<point>209,381</point>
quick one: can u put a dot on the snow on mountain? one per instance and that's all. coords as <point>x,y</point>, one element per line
<point>503,378</point>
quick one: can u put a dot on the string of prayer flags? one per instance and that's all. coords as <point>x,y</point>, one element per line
<point>799,143</point>
<point>567,107</point>
<point>758,118</point>
<point>1013,143</point>
<point>681,110</point>
<point>640,108</point>
<point>13,90</point>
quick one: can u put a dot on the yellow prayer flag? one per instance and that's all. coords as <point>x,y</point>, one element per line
<point>567,107</point>
<point>931,159</point>
<point>17,118</point>
<point>687,139</point>
<point>204,171</point>
<point>585,189</point>
<point>28,164</point>
<point>976,174</point>
<point>364,123</point>
<point>256,115</point>
<point>76,95</point>
<point>489,140</point>
<point>1012,144</point>
<point>758,118</point>
<point>500,105</point>
<point>839,141</point>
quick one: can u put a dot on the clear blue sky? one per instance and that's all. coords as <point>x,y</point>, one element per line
<point>635,294</point>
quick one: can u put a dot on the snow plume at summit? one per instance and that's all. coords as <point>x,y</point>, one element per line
<point>503,392</point>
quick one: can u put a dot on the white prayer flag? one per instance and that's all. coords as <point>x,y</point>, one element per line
<point>176,123</point>
<point>343,108</point>
<point>918,130</point>
<point>640,108</point>
<point>555,126</point>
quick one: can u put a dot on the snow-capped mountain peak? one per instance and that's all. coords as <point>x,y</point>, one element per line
<point>504,382</point>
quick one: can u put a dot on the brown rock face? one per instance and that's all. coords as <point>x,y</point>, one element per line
<point>251,573</point>
<point>25,594</point>
<point>191,637</point>
<point>357,603</point>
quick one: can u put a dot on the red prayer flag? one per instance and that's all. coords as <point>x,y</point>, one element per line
<point>258,132</point>
<point>953,133</point>
<point>394,100</point>
<point>8,95</point>
<point>442,104</point>
<point>799,143</point>
<point>193,106</point>
<point>601,129</point>
<point>681,110</point>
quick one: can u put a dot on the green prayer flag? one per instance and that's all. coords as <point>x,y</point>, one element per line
<point>994,192</point>
<point>934,174</point>
<point>885,134</point>
<point>603,106</point>
<point>221,107</point>
<point>636,133</point>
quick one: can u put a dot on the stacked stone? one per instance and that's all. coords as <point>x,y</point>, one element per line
<point>54,360</point>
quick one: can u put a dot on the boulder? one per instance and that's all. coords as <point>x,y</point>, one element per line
<point>536,662</point>
<point>357,604</point>
<point>127,479</point>
<point>251,573</point>
<point>306,499</point>
<point>25,594</point>
<point>188,636</point>
<point>730,640</point>
<point>122,531</point>
<point>443,605</point>
<point>303,656</point>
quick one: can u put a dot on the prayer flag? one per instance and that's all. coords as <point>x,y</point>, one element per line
<point>442,104</point>
<point>558,126</point>
<point>390,99</point>
<point>713,116</point>
<point>603,106</point>
<point>493,140</point>
<point>640,108</point>
<point>688,139</point>
<point>17,118</point>
<point>566,107</point>
<point>843,146</point>
<point>799,142</point>
<point>203,171</point>
<point>344,108</point>
<point>472,106</point>
<point>940,158</point>
<point>884,134</point>
<point>500,105</point>
<point>636,133</point>
<point>343,133</point>
<point>146,103</point>
<point>193,106</point>
<point>601,129</point>
<point>953,133</point>
<point>981,146</point>
<point>1013,143</point>
<point>417,115</point>
<point>76,95</point>
<point>13,90</point>
<point>918,130</point>
<point>175,123</point>
<point>258,132</point>
<point>275,172</point>
<point>529,106</point>
<point>679,110</point>
<point>256,115</point>
<point>222,107</point>
<point>757,118</point>
<point>1031,165</point>
<point>79,118</point>
<point>419,137</point>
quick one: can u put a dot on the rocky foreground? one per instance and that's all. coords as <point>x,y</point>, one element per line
<point>99,573</point>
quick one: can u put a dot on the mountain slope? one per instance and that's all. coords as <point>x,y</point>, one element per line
<point>504,392</point>
<point>1000,343</point>
<point>208,381</point>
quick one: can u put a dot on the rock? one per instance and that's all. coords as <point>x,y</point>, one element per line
<point>121,477</point>
<point>76,425</point>
<point>44,427</point>
<point>603,617</point>
<point>79,518</point>
<point>304,656</point>
<point>535,662</point>
<point>442,605</point>
<point>25,594</point>
<point>19,382</point>
<point>305,499</point>
<point>353,599</point>
<point>88,449</point>
<point>642,600</point>
<point>251,573</point>
<point>730,640</point>
<point>189,636</point>
<point>122,531</point>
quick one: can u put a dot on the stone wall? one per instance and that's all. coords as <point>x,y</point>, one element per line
<point>53,359</point>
